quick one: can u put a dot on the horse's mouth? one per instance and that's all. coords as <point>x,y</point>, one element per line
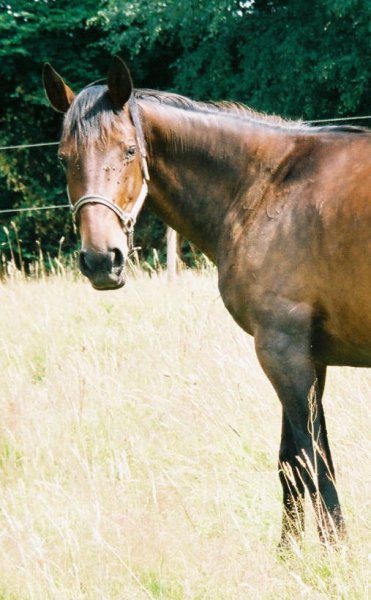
<point>108,281</point>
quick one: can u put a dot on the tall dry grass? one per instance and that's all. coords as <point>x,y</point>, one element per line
<point>138,451</point>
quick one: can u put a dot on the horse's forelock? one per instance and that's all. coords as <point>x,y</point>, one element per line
<point>91,116</point>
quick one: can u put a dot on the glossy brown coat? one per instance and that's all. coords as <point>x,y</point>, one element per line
<point>283,209</point>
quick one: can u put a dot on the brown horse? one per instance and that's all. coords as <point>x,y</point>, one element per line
<point>283,209</point>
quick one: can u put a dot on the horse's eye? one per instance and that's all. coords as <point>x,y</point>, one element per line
<point>131,152</point>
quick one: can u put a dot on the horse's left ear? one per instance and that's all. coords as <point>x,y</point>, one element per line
<point>119,82</point>
<point>57,91</point>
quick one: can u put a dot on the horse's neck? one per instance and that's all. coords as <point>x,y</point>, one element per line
<point>199,164</point>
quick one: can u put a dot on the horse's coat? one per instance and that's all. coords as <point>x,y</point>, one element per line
<point>283,209</point>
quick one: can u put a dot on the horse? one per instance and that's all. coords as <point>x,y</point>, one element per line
<point>281,207</point>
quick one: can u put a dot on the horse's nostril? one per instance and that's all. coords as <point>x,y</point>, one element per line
<point>93,262</point>
<point>118,258</point>
<point>84,267</point>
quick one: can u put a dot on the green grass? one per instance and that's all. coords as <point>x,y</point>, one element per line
<point>138,451</point>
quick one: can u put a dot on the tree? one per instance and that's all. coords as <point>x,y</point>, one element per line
<point>291,57</point>
<point>31,33</point>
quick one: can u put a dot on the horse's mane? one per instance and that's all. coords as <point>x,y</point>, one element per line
<point>236,109</point>
<point>93,114</point>
<point>240,110</point>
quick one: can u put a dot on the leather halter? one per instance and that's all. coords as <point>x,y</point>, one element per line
<point>127,219</point>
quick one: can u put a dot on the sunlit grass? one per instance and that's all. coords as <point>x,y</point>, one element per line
<point>138,451</point>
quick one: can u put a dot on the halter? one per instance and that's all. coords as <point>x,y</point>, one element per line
<point>127,219</point>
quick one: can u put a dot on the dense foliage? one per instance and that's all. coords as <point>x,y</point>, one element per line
<point>291,57</point>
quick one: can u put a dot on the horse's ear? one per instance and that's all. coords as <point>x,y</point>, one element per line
<point>119,82</point>
<point>57,91</point>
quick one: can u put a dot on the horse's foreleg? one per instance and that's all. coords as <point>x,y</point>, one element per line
<point>304,455</point>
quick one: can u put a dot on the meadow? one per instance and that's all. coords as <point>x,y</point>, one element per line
<point>138,451</point>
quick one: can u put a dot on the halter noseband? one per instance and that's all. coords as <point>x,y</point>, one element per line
<point>127,219</point>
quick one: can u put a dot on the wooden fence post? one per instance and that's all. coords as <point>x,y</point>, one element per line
<point>171,254</point>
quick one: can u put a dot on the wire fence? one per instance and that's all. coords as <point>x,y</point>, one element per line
<point>57,206</point>
<point>31,208</point>
<point>51,207</point>
<point>22,146</point>
<point>337,119</point>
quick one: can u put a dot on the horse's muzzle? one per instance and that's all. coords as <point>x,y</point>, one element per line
<point>104,269</point>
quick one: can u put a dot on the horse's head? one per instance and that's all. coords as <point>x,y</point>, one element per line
<point>102,151</point>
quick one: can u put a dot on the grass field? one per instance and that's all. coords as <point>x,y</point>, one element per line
<point>138,452</point>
